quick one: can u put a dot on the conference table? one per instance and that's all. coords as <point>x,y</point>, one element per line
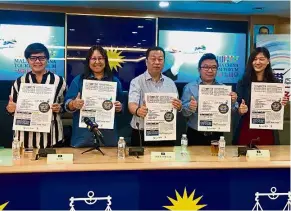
<point>194,181</point>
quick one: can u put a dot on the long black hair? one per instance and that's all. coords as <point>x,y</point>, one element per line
<point>87,69</point>
<point>250,73</point>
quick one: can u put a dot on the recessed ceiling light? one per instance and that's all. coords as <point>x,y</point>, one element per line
<point>144,40</point>
<point>134,32</point>
<point>134,46</point>
<point>208,28</point>
<point>139,43</point>
<point>72,30</point>
<point>140,27</point>
<point>164,4</point>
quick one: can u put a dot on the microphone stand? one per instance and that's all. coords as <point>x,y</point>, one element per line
<point>96,145</point>
<point>136,151</point>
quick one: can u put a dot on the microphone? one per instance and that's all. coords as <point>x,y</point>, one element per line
<point>243,150</point>
<point>93,127</point>
<point>140,142</point>
<point>136,151</point>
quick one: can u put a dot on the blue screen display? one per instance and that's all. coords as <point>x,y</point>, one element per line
<point>185,48</point>
<point>15,38</point>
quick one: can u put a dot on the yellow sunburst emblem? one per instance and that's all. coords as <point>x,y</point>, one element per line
<point>185,202</point>
<point>115,59</point>
<point>3,206</point>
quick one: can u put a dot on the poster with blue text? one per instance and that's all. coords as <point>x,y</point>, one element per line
<point>15,38</point>
<point>185,48</point>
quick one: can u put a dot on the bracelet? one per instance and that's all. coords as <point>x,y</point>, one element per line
<point>136,111</point>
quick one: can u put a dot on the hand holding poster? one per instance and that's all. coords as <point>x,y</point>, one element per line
<point>214,108</point>
<point>99,98</point>
<point>160,122</point>
<point>33,108</point>
<point>266,110</point>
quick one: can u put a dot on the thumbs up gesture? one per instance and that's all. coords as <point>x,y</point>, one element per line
<point>193,104</point>
<point>243,108</point>
<point>78,102</point>
<point>142,111</point>
<point>11,107</point>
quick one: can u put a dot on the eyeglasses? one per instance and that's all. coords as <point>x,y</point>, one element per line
<point>94,59</point>
<point>214,68</point>
<point>39,58</point>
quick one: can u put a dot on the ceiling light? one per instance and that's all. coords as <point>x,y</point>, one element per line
<point>134,46</point>
<point>72,30</point>
<point>143,40</point>
<point>164,4</point>
<point>139,43</point>
<point>134,32</point>
<point>140,27</point>
<point>208,28</point>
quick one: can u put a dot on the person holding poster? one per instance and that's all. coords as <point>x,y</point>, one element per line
<point>99,83</point>
<point>258,70</point>
<point>161,88</point>
<point>36,101</point>
<point>207,67</point>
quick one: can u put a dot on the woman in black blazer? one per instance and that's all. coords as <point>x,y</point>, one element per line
<point>258,70</point>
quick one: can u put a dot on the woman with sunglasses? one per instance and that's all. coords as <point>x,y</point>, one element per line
<point>96,68</point>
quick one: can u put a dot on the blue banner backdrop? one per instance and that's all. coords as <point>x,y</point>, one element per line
<point>145,190</point>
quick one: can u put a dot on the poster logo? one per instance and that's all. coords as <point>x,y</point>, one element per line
<point>186,202</point>
<point>273,195</point>
<point>90,200</point>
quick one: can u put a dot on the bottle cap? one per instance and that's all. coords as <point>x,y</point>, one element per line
<point>121,137</point>
<point>184,135</point>
<point>221,137</point>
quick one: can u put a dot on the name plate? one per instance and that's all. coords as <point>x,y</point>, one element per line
<point>258,154</point>
<point>163,156</point>
<point>60,158</point>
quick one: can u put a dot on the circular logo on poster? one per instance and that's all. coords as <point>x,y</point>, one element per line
<point>169,116</point>
<point>223,108</point>
<point>107,105</point>
<point>276,106</point>
<point>44,107</point>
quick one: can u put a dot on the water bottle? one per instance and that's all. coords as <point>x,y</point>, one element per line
<point>184,144</point>
<point>121,148</point>
<point>15,149</point>
<point>221,149</point>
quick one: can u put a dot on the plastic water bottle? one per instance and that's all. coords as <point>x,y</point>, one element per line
<point>184,144</point>
<point>121,148</point>
<point>221,149</point>
<point>15,149</point>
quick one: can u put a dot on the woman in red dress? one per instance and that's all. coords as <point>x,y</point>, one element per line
<point>258,70</point>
